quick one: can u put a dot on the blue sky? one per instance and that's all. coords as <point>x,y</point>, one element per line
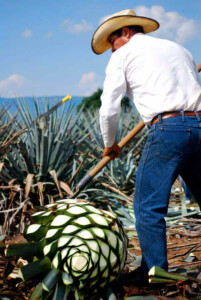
<point>45,46</point>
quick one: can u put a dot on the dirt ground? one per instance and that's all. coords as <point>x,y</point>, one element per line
<point>184,256</point>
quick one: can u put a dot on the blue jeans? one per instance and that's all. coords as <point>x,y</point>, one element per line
<point>173,147</point>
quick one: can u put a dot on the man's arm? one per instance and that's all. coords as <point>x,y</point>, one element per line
<point>113,92</point>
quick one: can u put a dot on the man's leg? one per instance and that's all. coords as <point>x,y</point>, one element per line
<point>161,162</point>
<point>191,174</point>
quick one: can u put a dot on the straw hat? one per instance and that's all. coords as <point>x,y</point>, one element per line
<point>116,21</point>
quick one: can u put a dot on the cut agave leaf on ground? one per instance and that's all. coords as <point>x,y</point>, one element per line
<point>161,273</point>
<point>50,280</point>
<point>36,268</point>
<point>25,250</point>
<point>183,205</point>
<point>39,293</point>
<point>111,295</point>
<point>122,212</point>
<point>2,237</point>
<point>137,261</point>
<point>178,214</point>
<point>191,257</point>
<point>61,291</point>
<point>161,280</point>
<point>131,232</point>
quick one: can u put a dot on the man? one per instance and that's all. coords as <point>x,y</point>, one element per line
<point>160,77</point>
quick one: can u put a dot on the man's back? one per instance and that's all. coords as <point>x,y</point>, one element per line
<point>161,75</point>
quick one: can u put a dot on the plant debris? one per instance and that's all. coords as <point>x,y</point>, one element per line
<point>180,247</point>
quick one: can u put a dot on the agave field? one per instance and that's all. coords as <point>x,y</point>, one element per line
<point>55,247</point>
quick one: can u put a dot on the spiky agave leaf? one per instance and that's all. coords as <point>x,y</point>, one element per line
<point>8,134</point>
<point>47,144</point>
<point>119,173</point>
<point>87,246</point>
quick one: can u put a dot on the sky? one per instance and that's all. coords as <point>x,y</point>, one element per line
<point>45,45</point>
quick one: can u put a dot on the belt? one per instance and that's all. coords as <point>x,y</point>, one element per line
<point>174,114</point>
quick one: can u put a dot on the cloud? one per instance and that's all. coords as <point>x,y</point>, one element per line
<point>10,86</point>
<point>73,27</point>
<point>27,33</point>
<point>87,78</point>
<point>173,26</point>
<point>50,34</point>
<point>89,83</point>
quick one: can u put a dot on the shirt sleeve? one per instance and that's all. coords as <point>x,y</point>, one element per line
<point>199,78</point>
<point>114,90</point>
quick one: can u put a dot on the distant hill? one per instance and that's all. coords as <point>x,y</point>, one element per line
<point>76,100</point>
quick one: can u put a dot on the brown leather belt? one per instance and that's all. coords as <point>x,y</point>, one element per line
<point>174,114</point>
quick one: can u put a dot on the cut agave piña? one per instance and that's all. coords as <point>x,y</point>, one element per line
<point>86,246</point>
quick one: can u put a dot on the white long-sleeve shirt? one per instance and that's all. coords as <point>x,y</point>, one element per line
<point>157,75</point>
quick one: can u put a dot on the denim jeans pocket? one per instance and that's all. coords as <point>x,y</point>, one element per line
<point>146,149</point>
<point>173,142</point>
<point>150,136</point>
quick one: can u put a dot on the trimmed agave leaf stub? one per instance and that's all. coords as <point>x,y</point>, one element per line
<point>85,244</point>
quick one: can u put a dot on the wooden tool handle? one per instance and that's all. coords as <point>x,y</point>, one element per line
<point>121,145</point>
<point>88,177</point>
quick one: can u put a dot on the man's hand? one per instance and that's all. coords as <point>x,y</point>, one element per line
<point>114,148</point>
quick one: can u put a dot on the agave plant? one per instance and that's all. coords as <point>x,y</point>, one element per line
<point>8,134</point>
<point>49,144</point>
<point>81,248</point>
<point>90,127</point>
<point>46,145</point>
<point>40,163</point>
<point>119,173</point>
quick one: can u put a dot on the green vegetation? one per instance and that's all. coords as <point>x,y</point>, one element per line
<point>39,170</point>
<point>74,248</point>
<point>93,102</point>
<point>50,156</point>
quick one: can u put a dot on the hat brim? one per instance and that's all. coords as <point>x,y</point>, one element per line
<point>100,42</point>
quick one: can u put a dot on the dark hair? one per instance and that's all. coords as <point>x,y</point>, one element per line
<point>135,28</point>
